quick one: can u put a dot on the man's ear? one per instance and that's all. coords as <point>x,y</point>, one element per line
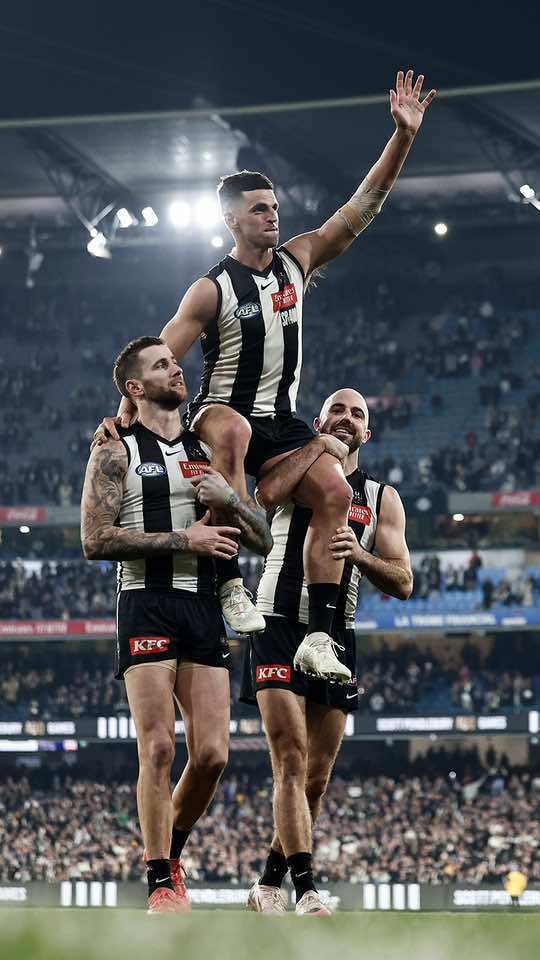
<point>317,424</point>
<point>135,389</point>
<point>230,220</point>
<point>367,436</point>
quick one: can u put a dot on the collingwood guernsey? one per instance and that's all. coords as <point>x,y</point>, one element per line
<point>158,497</point>
<point>253,348</point>
<point>283,590</point>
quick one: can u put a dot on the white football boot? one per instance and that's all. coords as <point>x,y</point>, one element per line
<point>311,905</point>
<point>238,611</point>
<point>316,656</point>
<point>263,899</point>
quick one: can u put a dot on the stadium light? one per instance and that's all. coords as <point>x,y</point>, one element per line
<point>149,216</point>
<point>441,229</point>
<point>458,517</point>
<point>206,211</point>
<point>217,241</point>
<point>124,218</point>
<point>527,192</point>
<point>24,529</point>
<point>180,214</point>
<point>207,156</point>
<point>98,246</point>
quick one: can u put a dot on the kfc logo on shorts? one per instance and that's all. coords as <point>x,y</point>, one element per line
<point>285,299</point>
<point>142,645</point>
<point>276,672</point>
<point>360,514</point>
<point>192,468</point>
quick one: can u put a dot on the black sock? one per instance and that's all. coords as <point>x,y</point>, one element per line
<point>301,873</point>
<point>178,842</point>
<point>275,869</point>
<point>322,606</point>
<point>227,570</point>
<point>158,873</point>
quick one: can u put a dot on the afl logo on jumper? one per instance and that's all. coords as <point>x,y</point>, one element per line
<point>247,310</point>
<point>150,470</point>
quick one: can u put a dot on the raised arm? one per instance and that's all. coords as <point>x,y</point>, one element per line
<point>318,247</point>
<point>100,507</point>
<point>390,571</point>
<point>214,492</point>
<point>277,486</point>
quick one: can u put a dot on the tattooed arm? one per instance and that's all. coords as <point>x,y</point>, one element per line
<point>100,507</point>
<point>214,492</point>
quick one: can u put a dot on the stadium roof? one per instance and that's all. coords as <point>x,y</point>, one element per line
<point>477,147</point>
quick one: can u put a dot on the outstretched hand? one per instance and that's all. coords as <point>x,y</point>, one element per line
<point>405,105</point>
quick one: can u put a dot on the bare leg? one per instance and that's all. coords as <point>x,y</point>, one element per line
<point>284,718</point>
<point>325,728</point>
<point>204,697</point>
<point>326,492</point>
<point>150,694</point>
<point>228,434</point>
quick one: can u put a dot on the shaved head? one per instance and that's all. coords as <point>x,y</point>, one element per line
<point>345,415</point>
<point>348,396</point>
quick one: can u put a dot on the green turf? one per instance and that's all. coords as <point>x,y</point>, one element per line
<point>56,934</point>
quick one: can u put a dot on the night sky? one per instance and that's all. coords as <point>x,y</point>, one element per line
<point>63,58</point>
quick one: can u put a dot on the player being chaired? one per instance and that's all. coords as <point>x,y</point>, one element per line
<point>143,505</point>
<point>304,717</point>
<point>247,312</point>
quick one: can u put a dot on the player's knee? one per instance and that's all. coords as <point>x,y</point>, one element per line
<point>210,761</point>
<point>337,494</point>
<point>158,752</point>
<point>291,762</point>
<point>232,440</point>
<point>316,785</point>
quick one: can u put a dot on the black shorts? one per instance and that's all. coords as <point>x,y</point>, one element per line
<point>270,436</point>
<point>177,625</point>
<point>268,665</point>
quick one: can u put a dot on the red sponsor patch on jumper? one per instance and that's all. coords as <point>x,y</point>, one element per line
<point>360,514</point>
<point>140,646</point>
<point>192,468</point>
<point>276,672</point>
<point>285,299</point>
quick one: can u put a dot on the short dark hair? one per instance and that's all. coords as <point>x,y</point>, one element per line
<point>127,363</point>
<point>232,187</point>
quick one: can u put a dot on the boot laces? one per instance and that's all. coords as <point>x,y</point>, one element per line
<point>321,644</point>
<point>239,599</point>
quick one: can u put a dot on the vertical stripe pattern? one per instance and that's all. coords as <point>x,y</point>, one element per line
<point>283,590</point>
<point>253,350</point>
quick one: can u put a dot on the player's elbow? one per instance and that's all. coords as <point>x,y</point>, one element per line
<point>267,495</point>
<point>266,544</point>
<point>406,588</point>
<point>92,547</point>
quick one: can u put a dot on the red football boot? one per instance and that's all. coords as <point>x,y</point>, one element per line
<point>178,877</point>
<point>165,900</point>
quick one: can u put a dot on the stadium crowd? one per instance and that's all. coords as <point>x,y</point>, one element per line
<point>79,588</point>
<point>466,824</point>
<point>383,351</point>
<point>51,682</point>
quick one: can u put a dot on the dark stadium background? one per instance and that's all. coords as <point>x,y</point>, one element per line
<point>437,788</point>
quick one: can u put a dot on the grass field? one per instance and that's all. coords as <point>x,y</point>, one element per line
<point>59,934</point>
